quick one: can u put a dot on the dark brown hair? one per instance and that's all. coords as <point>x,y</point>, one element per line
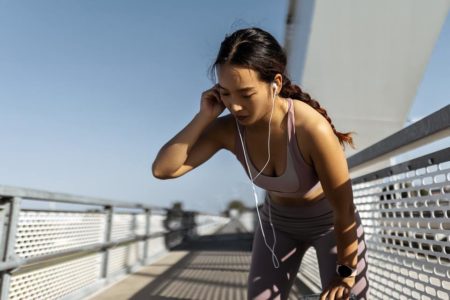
<point>258,50</point>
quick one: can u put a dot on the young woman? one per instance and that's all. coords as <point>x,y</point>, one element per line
<point>309,200</point>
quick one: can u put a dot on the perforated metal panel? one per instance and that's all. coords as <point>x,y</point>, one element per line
<point>40,233</point>
<point>156,245</point>
<point>406,221</point>
<point>69,253</point>
<point>127,225</point>
<point>208,224</point>
<point>45,232</point>
<point>125,256</point>
<point>157,223</point>
<point>140,224</point>
<point>55,281</point>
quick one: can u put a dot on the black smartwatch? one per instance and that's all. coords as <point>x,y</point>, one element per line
<point>345,271</point>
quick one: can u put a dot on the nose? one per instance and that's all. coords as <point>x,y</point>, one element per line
<point>235,108</point>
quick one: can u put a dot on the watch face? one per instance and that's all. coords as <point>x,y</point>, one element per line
<point>344,271</point>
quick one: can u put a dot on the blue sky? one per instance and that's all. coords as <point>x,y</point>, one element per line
<point>90,91</point>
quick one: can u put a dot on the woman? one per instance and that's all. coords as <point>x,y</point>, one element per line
<point>309,199</point>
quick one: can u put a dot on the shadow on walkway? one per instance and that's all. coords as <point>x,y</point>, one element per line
<point>208,267</point>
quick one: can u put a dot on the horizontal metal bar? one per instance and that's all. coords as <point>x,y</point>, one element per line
<point>85,211</point>
<point>413,164</point>
<point>10,191</point>
<point>433,123</point>
<point>40,195</point>
<point>18,263</point>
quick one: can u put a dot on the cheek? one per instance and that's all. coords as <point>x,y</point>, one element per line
<point>255,104</point>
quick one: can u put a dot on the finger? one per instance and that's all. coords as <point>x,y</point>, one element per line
<point>216,91</point>
<point>217,99</point>
<point>340,294</point>
<point>324,295</point>
<point>332,295</point>
<point>215,95</point>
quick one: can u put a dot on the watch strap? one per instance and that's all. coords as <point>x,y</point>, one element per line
<point>354,270</point>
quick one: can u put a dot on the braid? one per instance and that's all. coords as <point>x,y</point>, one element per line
<point>290,90</point>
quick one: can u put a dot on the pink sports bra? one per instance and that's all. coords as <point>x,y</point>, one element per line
<point>298,178</point>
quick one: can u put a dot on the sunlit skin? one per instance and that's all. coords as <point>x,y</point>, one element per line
<point>317,143</point>
<point>257,104</point>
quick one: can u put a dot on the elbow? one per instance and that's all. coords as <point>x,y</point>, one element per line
<point>163,175</point>
<point>159,176</point>
<point>157,173</point>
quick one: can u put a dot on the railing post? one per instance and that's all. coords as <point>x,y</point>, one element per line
<point>108,234</point>
<point>148,213</point>
<point>9,219</point>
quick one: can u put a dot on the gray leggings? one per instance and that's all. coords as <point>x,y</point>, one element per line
<point>296,229</point>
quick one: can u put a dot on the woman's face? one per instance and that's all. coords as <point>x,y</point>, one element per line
<point>242,93</point>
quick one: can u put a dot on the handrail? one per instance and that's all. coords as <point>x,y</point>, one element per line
<point>11,191</point>
<point>413,164</point>
<point>41,195</point>
<point>431,124</point>
<point>107,229</point>
<point>15,265</point>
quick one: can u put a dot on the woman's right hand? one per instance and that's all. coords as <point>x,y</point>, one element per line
<point>211,105</point>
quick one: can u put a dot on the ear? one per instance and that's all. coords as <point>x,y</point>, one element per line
<point>278,79</point>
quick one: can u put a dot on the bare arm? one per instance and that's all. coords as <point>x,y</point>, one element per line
<point>192,146</point>
<point>332,169</point>
<point>196,142</point>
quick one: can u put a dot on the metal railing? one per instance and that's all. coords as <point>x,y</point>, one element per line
<point>62,254</point>
<point>405,213</point>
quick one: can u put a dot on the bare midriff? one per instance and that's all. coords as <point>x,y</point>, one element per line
<point>312,196</point>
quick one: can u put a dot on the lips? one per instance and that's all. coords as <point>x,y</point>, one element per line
<point>241,117</point>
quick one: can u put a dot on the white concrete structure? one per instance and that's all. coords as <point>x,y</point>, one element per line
<point>363,61</point>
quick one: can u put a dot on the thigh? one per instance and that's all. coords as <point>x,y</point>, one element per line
<point>264,280</point>
<point>326,249</point>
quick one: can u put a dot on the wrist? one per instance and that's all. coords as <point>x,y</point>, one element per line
<point>345,271</point>
<point>205,117</point>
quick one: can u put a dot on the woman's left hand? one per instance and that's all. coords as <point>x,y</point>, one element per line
<point>339,289</point>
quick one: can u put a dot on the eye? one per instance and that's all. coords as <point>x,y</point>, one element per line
<point>244,96</point>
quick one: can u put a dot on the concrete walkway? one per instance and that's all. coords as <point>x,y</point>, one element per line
<point>211,267</point>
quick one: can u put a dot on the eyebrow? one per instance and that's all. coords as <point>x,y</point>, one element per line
<point>241,89</point>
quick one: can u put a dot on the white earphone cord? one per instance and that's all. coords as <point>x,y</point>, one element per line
<point>254,191</point>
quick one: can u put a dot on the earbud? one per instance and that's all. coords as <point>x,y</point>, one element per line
<point>275,86</point>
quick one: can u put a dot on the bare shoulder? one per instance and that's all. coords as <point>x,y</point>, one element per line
<point>226,129</point>
<point>307,121</point>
